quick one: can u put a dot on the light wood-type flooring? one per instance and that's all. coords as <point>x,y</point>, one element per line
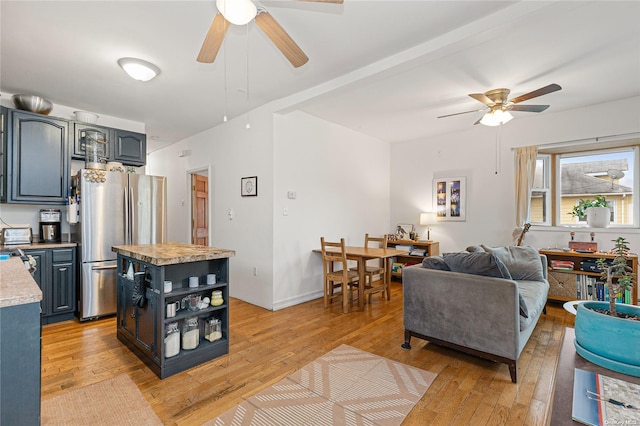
<point>266,346</point>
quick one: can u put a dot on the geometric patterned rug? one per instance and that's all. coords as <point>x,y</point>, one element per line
<point>346,386</point>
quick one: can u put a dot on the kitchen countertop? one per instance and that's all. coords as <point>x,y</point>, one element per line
<point>37,246</point>
<point>17,286</point>
<point>172,253</point>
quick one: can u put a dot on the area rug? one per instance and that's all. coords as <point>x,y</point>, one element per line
<point>116,401</point>
<point>346,386</point>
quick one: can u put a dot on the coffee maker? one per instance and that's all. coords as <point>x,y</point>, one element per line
<point>50,226</point>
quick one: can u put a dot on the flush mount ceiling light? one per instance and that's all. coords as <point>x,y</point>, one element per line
<point>496,118</point>
<point>237,12</point>
<point>138,69</point>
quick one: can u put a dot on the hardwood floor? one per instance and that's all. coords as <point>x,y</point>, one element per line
<point>266,346</point>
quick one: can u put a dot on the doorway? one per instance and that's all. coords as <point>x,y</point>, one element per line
<point>200,208</point>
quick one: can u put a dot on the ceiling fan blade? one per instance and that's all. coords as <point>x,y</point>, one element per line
<point>529,108</point>
<point>542,91</point>
<point>482,98</point>
<point>213,39</point>
<point>459,113</point>
<point>281,39</point>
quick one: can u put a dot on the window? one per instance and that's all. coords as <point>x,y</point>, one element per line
<point>585,175</point>
<point>541,192</point>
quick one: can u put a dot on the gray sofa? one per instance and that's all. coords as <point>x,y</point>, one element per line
<point>485,303</point>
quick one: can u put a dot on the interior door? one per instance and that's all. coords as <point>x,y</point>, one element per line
<point>199,209</point>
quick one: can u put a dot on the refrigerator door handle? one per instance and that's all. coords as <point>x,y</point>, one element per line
<point>127,230</point>
<point>101,268</point>
<point>132,225</point>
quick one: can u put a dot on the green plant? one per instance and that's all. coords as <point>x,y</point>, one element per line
<point>580,209</point>
<point>618,273</point>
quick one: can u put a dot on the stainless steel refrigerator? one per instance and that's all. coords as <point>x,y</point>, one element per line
<point>124,209</point>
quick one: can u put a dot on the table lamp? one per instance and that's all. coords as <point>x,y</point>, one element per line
<point>427,219</point>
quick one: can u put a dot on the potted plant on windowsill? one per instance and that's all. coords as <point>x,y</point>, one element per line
<point>596,211</point>
<point>608,333</point>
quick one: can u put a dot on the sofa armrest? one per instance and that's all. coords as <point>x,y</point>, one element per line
<point>473,311</point>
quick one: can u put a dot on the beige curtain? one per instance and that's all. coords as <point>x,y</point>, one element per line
<point>525,171</point>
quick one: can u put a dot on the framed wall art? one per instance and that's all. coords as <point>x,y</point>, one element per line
<point>249,186</point>
<point>450,198</point>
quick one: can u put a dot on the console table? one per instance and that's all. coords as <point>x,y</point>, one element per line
<point>563,388</point>
<point>432,249</point>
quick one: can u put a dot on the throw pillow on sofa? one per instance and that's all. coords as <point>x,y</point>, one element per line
<point>477,263</point>
<point>523,262</point>
<point>435,262</point>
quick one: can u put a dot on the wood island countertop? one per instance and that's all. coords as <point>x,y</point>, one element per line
<point>17,286</point>
<point>172,253</point>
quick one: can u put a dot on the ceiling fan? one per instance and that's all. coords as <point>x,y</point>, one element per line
<point>241,12</point>
<point>498,105</point>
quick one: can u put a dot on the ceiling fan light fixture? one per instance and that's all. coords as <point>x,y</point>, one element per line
<point>138,69</point>
<point>496,118</point>
<point>238,12</point>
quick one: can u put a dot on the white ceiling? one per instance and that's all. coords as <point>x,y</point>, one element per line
<point>384,68</point>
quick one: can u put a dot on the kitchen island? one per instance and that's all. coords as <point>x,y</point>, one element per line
<point>165,326</point>
<point>20,299</point>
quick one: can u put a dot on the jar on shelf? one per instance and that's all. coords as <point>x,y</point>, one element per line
<point>171,340</point>
<point>216,298</point>
<point>190,333</point>
<point>212,329</point>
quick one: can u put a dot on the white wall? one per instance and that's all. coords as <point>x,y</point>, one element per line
<point>490,196</point>
<point>229,152</point>
<point>341,181</point>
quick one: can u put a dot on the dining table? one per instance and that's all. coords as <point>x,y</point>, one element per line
<point>361,255</point>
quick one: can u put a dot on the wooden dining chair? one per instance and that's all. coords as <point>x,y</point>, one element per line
<point>376,267</point>
<point>342,278</point>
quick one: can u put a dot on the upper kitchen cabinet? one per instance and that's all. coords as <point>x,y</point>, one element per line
<point>80,131</point>
<point>37,159</point>
<point>3,157</point>
<point>130,148</point>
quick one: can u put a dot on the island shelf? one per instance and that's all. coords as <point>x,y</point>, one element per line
<point>143,326</point>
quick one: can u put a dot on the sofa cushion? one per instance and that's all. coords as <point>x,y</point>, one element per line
<point>435,262</point>
<point>477,263</point>
<point>523,262</point>
<point>534,295</point>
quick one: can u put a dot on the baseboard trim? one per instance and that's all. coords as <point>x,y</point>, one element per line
<point>297,300</point>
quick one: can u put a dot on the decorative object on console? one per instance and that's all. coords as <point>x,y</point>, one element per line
<point>427,219</point>
<point>450,198</point>
<point>249,186</point>
<point>404,231</point>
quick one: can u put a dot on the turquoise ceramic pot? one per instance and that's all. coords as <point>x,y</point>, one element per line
<point>610,342</point>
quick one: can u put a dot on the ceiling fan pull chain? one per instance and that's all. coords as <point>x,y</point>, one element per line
<point>224,117</point>
<point>248,125</point>
<point>498,149</point>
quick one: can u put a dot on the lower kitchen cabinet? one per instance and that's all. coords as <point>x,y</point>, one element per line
<point>20,352</point>
<point>56,276</point>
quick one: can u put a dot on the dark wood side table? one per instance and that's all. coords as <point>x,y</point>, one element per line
<point>563,388</point>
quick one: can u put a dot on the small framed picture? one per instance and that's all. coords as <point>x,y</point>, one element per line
<point>249,186</point>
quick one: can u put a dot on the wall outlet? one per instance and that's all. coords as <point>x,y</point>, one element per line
<point>285,211</point>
